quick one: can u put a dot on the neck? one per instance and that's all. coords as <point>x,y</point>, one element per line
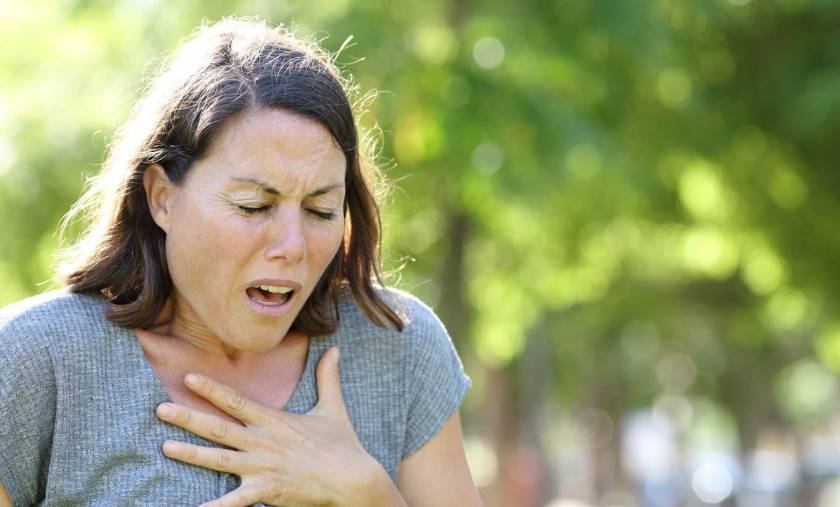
<point>180,322</point>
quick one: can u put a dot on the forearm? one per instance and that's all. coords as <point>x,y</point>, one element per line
<point>6,500</point>
<point>383,492</point>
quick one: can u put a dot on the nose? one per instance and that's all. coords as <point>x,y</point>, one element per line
<point>286,241</point>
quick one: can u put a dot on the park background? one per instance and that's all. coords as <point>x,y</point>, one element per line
<point>624,212</point>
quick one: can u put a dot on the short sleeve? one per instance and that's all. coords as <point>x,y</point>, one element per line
<point>27,412</point>
<point>436,383</point>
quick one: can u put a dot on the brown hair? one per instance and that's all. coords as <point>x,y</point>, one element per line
<point>223,69</point>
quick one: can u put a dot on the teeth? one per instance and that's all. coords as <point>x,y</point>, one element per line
<point>275,289</point>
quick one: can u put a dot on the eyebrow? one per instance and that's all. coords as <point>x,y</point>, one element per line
<point>267,188</point>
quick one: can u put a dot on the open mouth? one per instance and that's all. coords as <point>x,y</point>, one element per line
<point>270,295</point>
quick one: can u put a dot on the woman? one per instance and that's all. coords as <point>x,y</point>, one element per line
<point>233,243</point>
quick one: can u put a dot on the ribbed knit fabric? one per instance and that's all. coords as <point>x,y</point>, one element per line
<point>77,401</point>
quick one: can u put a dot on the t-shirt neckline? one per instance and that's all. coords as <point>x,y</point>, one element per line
<point>303,398</point>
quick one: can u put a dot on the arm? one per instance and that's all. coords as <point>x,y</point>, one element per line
<point>438,474</point>
<point>5,499</point>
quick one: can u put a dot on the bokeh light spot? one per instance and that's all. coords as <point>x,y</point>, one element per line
<point>764,271</point>
<point>583,160</point>
<point>488,52</point>
<point>787,189</point>
<point>828,347</point>
<point>786,308</point>
<point>703,193</point>
<point>675,371</point>
<point>434,43</point>
<point>673,86</point>
<point>708,251</point>
<point>488,157</point>
<point>712,483</point>
<point>806,389</point>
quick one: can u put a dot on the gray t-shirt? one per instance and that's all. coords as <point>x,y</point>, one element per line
<point>78,395</point>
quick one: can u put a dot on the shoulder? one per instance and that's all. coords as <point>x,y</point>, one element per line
<point>35,321</point>
<point>54,308</point>
<point>417,316</point>
<point>32,332</point>
<point>422,333</point>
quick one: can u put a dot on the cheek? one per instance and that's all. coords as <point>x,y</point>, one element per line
<point>200,250</point>
<point>325,242</point>
<point>185,266</point>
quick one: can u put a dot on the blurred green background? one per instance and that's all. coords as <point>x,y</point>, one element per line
<point>624,212</point>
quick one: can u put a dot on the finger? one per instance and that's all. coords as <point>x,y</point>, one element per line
<point>209,426</point>
<point>228,399</point>
<point>222,460</point>
<point>240,497</point>
<point>329,382</point>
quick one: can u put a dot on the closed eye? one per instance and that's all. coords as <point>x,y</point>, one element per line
<point>323,215</point>
<point>253,210</point>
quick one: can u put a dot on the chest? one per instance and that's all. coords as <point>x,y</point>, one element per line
<point>106,442</point>
<point>270,379</point>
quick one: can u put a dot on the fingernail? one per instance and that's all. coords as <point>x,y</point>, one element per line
<point>191,380</point>
<point>170,446</point>
<point>165,411</point>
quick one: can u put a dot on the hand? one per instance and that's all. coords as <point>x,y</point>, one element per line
<point>282,458</point>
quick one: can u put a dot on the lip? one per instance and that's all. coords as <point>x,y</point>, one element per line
<point>275,281</point>
<point>272,310</point>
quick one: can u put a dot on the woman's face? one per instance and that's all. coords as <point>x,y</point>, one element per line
<point>252,227</point>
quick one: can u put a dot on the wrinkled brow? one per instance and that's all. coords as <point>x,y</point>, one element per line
<point>267,188</point>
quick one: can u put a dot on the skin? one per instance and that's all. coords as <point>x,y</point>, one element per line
<point>289,168</point>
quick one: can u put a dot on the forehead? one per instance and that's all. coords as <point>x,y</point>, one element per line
<point>276,144</point>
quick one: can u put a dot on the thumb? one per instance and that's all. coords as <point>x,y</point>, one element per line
<point>329,382</point>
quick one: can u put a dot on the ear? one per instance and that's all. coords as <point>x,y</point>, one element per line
<point>159,192</point>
